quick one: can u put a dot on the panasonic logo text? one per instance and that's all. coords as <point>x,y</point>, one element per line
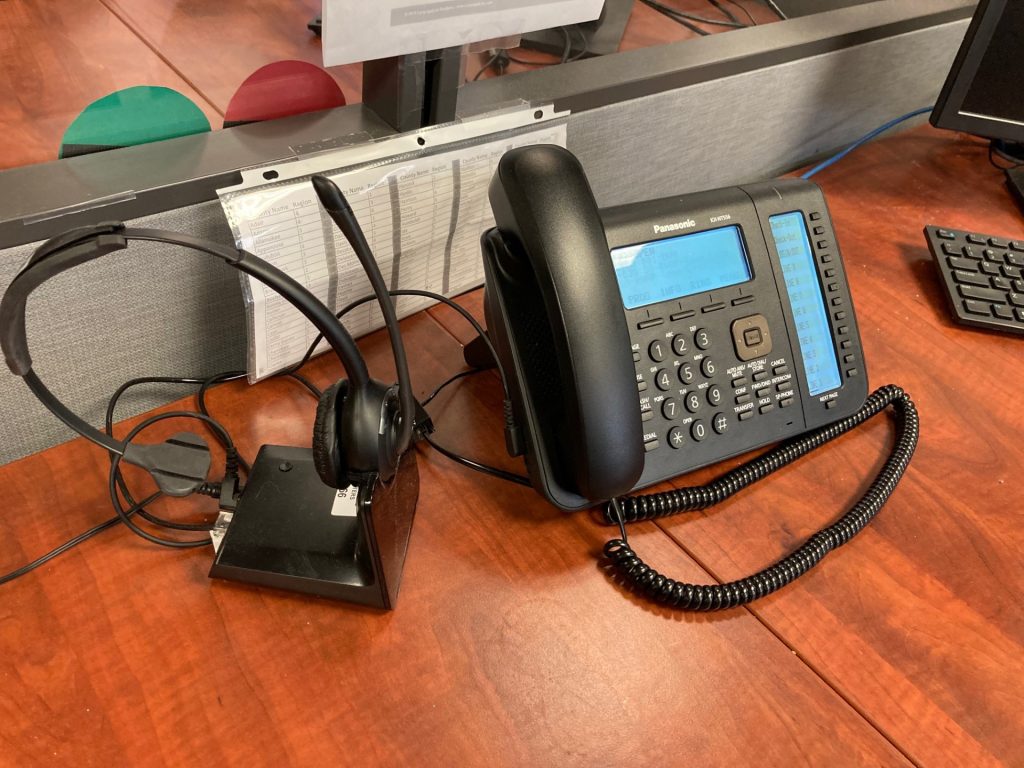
<point>674,226</point>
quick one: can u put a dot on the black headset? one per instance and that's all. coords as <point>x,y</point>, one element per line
<point>362,426</point>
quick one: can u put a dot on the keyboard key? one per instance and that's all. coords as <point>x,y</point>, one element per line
<point>972,278</point>
<point>957,262</point>
<point>1017,299</point>
<point>945,234</point>
<point>1015,260</point>
<point>996,242</point>
<point>1003,311</point>
<point>951,249</point>
<point>1000,283</point>
<point>977,308</point>
<point>989,268</point>
<point>1017,245</point>
<point>970,253</point>
<point>985,294</point>
<point>991,255</point>
<point>977,239</point>
<point>1007,270</point>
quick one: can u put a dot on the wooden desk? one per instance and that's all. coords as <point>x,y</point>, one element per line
<point>511,645</point>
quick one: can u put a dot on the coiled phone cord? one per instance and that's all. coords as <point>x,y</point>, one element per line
<point>713,597</point>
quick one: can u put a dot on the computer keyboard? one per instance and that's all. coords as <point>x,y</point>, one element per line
<point>983,275</point>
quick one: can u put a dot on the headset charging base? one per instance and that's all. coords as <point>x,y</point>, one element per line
<point>290,531</point>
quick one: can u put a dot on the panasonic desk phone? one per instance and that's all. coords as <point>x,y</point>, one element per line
<point>646,340</point>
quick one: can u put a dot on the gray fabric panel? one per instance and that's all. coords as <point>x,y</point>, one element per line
<point>758,124</point>
<point>152,310</point>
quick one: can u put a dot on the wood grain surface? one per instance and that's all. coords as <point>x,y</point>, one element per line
<point>510,645</point>
<point>56,59</point>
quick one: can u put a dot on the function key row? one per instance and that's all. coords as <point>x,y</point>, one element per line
<point>976,239</point>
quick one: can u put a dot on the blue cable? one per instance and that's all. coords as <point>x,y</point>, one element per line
<point>864,139</point>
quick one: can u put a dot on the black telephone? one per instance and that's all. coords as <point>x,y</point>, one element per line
<point>650,339</point>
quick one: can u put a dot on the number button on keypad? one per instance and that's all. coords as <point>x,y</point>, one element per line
<point>707,367</point>
<point>714,395</point>
<point>663,380</point>
<point>679,344</point>
<point>701,338</point>
<point>686,373</point>
<point>693,402</point>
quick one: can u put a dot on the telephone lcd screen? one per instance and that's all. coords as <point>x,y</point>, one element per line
<point>680,266</point>
<point>808,303</point>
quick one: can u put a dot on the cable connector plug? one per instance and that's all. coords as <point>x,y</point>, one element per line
<point>513,434</point>
<point>423,424</point>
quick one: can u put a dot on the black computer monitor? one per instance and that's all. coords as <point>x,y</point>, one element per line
<point>984,92</point>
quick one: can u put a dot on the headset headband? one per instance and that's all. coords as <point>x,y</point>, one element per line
<point>80,245</point>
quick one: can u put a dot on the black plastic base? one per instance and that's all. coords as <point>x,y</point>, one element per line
<point>287,532</point>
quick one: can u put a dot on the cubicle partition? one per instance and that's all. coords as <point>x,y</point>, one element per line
<point>703,113</point>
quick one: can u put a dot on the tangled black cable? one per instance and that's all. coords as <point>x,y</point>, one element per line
<point>713,597</point>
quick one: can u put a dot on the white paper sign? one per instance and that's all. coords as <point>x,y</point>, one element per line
<point>355,30</point>
<point>422,215</point>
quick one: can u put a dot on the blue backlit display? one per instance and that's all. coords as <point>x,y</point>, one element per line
<point>806,300</point>
<point>680,266</point>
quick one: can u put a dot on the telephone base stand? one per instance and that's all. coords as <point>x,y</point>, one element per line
<point>290,531</point>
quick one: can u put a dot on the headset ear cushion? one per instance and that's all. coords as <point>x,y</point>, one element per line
<point>326,450</point>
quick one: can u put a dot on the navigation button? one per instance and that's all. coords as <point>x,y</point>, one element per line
<point>751,337</point>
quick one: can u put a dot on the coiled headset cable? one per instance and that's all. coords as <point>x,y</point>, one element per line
<point>713,597</point>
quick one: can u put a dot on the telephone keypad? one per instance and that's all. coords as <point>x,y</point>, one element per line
<point>688,408</point>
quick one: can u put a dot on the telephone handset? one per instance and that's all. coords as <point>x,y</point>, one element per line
<point>650,339</point>
<point>550,289</point>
